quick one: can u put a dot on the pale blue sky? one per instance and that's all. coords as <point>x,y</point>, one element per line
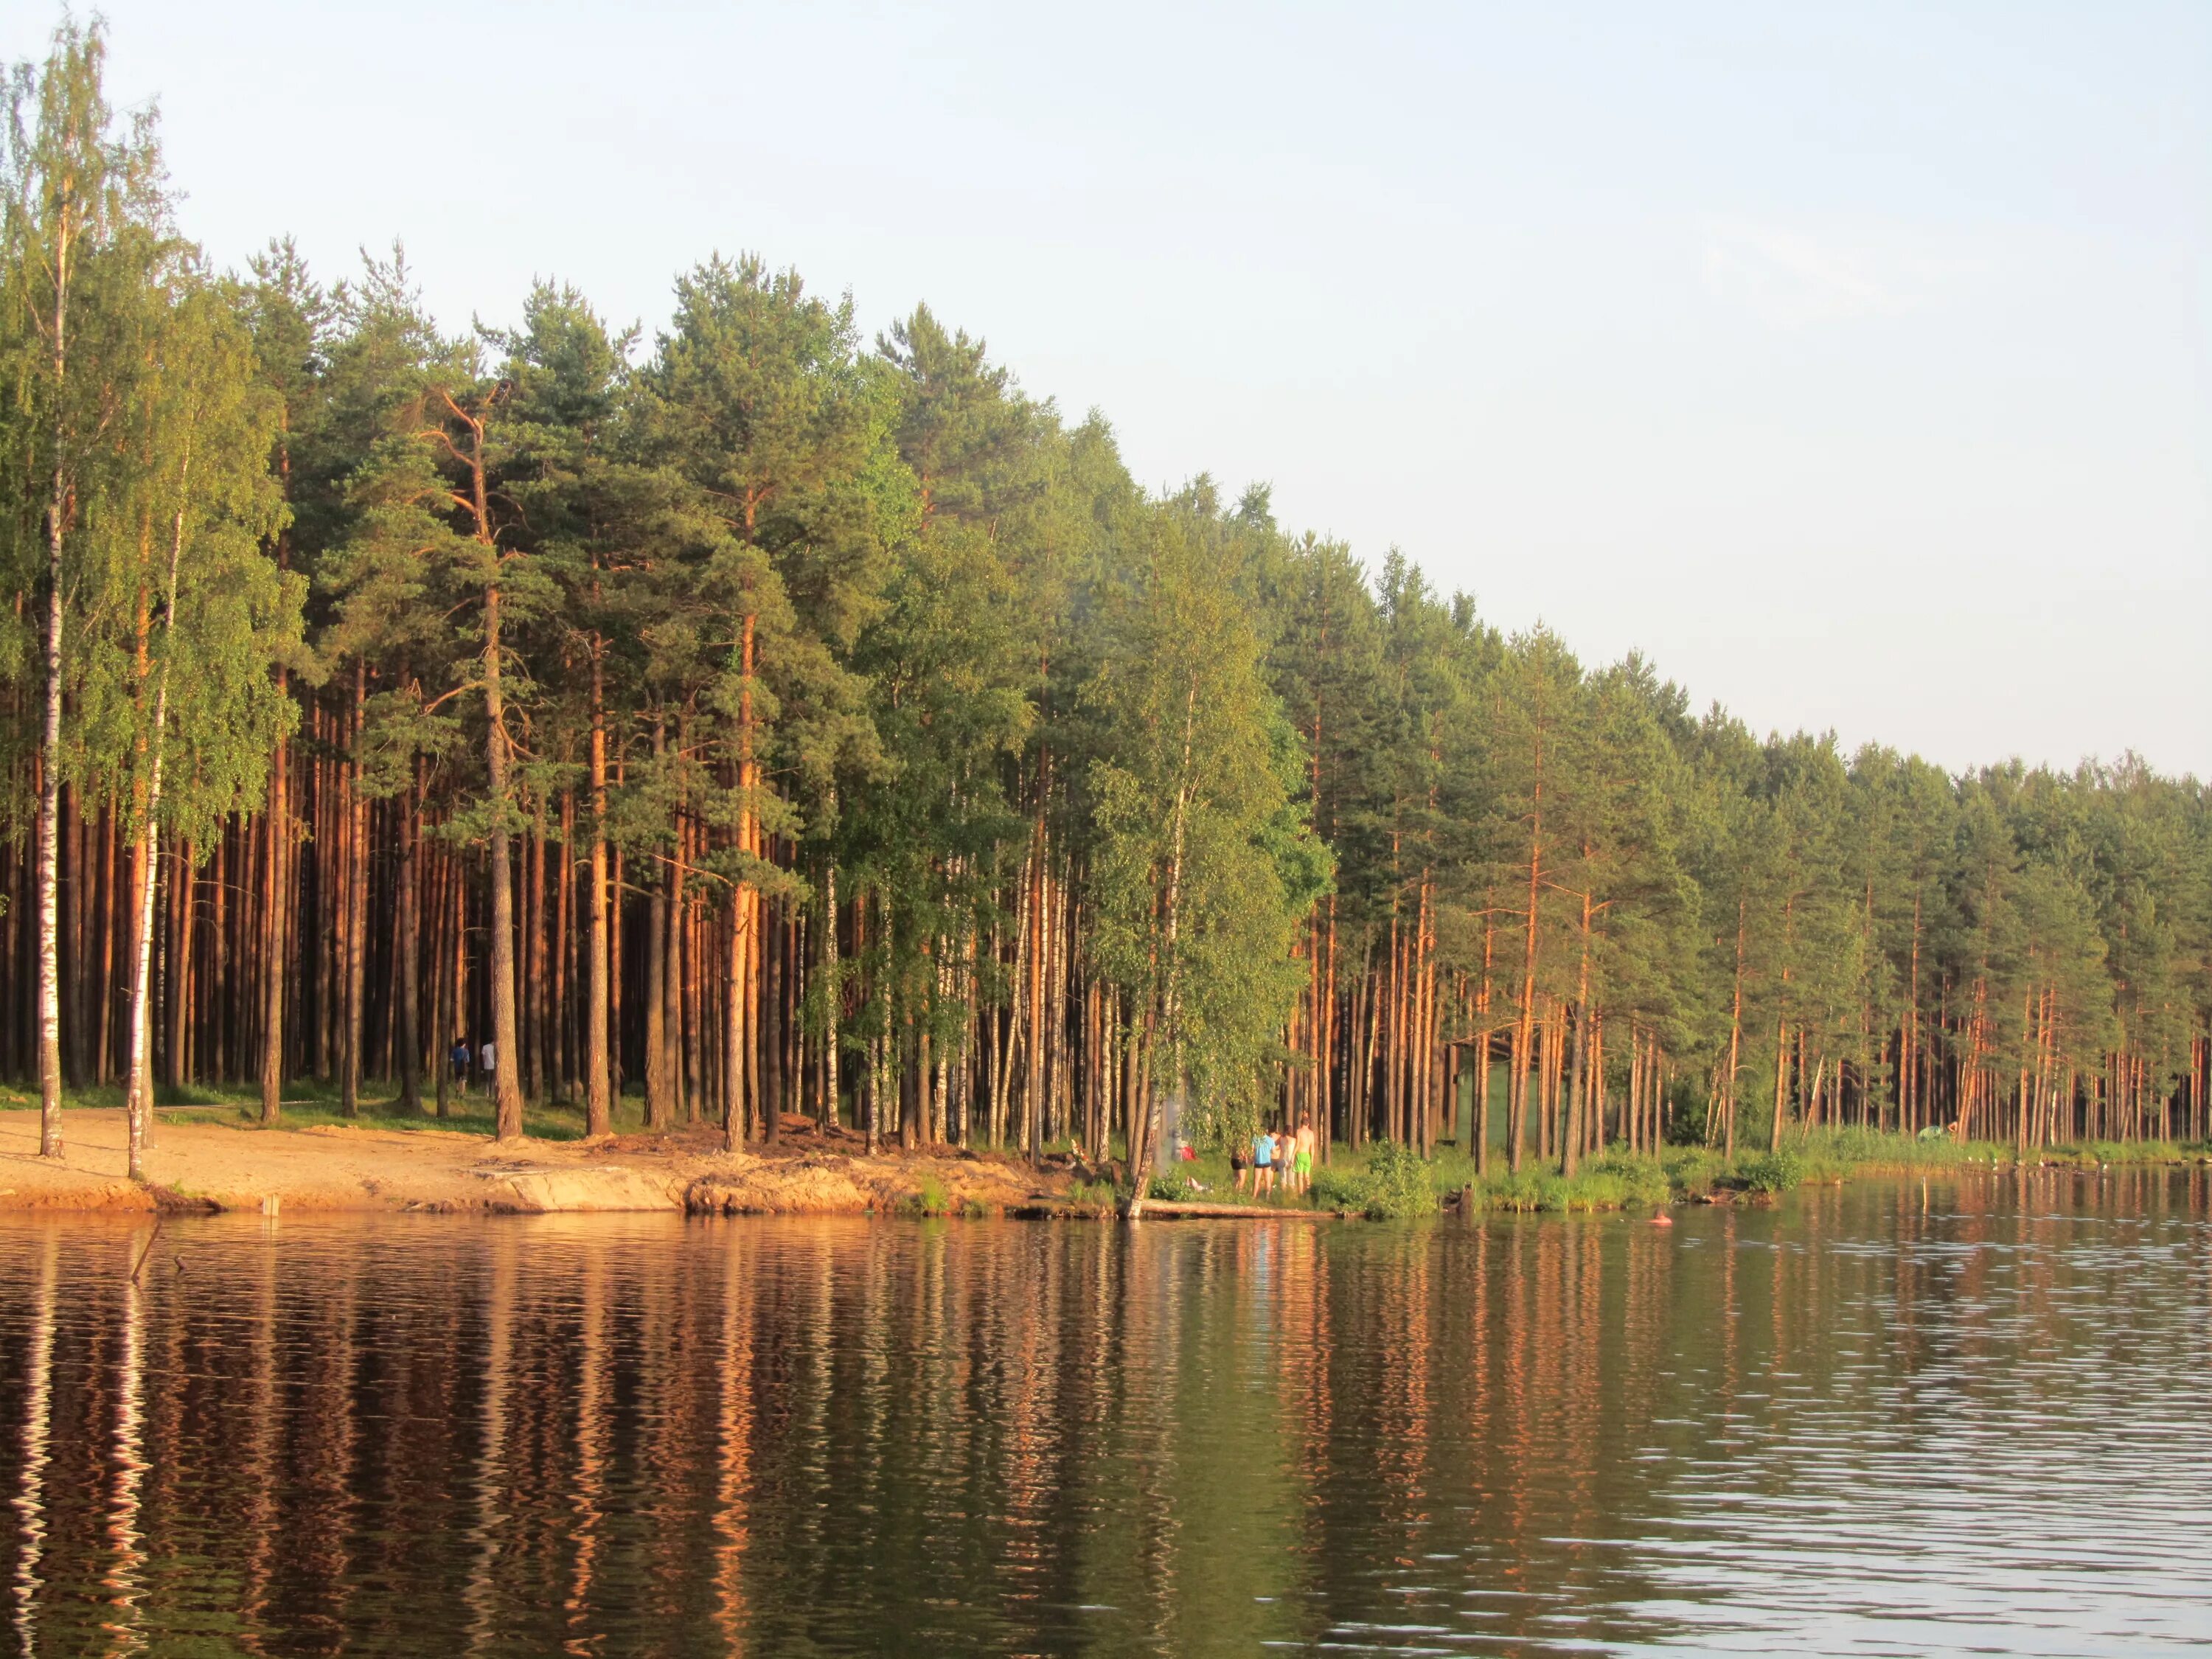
<point>1853,362</point>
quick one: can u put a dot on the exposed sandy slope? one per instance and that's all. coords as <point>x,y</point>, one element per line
<point>228,1166</point>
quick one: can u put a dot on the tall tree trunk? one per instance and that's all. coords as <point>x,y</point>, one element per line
<point>106,912</point>
<point>529,976</point>
<point>138,1087</point>
<point>672,986</point>
<point>748,893</point>
<point>1736,1035</point>
<point>138,1095</point>
<point>184,966</point>
<point>275,950</point>
<point>1033,1085</point>
<point>324,839</point>
<point>50,745</point>
<point>1780,1084</point>
<point>656,1009</point>
<point>656,981</point>
<point>508,1084</point>
<point>832,993</point>
<point>407,1039</point>
<point>1577,1084</point>
<point>771,1024</point>
<point>356,904</point>
<point>1517,1107</point>
<point>441,980</point>
<point>563,1048</point>
<point>733,1030</point>
<point>599,1068</point>
<point>1479,1130</point>
<point>909,1083</point>
<point>1328,989</point>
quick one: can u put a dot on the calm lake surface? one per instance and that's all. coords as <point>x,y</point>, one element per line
<point>1973,1417</point>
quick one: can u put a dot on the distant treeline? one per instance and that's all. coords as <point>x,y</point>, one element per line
<point>786,725</point>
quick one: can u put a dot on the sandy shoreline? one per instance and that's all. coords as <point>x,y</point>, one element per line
<point>225,1166</point>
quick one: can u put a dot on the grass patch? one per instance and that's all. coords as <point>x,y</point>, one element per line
<point>929,1198</point>
<point>1617,1180</point>
<point>1836,1152</point>
<point>1637,1179</point>
<point>309,1103</point>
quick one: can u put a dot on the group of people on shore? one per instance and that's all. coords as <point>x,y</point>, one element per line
<point>1273,1157</point>
<point>487,1056</point>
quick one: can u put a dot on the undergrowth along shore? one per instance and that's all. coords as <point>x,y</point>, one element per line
<point>1386,1181</point>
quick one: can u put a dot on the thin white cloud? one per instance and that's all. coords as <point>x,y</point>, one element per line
<point>1790,280</point>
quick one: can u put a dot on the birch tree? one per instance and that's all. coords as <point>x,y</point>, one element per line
<point>84,202</point>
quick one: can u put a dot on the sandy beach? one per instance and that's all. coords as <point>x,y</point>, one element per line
<point>202,1163</point>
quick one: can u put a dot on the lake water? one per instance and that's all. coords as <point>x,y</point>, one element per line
<point>1883,1418</point>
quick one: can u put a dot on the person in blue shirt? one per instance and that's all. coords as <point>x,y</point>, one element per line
<point>1263,1163</point>
<point>459,1058</point>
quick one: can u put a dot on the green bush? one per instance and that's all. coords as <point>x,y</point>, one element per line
<point>1399,1186</point>
<point>1771,1172</point>
<point>1336,1188</point>
<point>1691,1172</point>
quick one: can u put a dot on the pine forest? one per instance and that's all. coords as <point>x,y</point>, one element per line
<point>752,723</point>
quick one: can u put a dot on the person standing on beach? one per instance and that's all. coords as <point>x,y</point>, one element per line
<point>1302,1159</point>
<point>1263,1165</point>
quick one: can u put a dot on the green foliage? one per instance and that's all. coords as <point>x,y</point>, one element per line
<point>1529,1191</point>
<point>1384,1181</point>
<point>1638,1181</point>
<point>1618,1180</point>
<point>1340,1187</point>
<point>1597,1189</point>
<point>1194,919</point>
<point>1692,1172</point>
<point>928,1198</point>
<point>1398,1183</point>
<point>1771,1172</point>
